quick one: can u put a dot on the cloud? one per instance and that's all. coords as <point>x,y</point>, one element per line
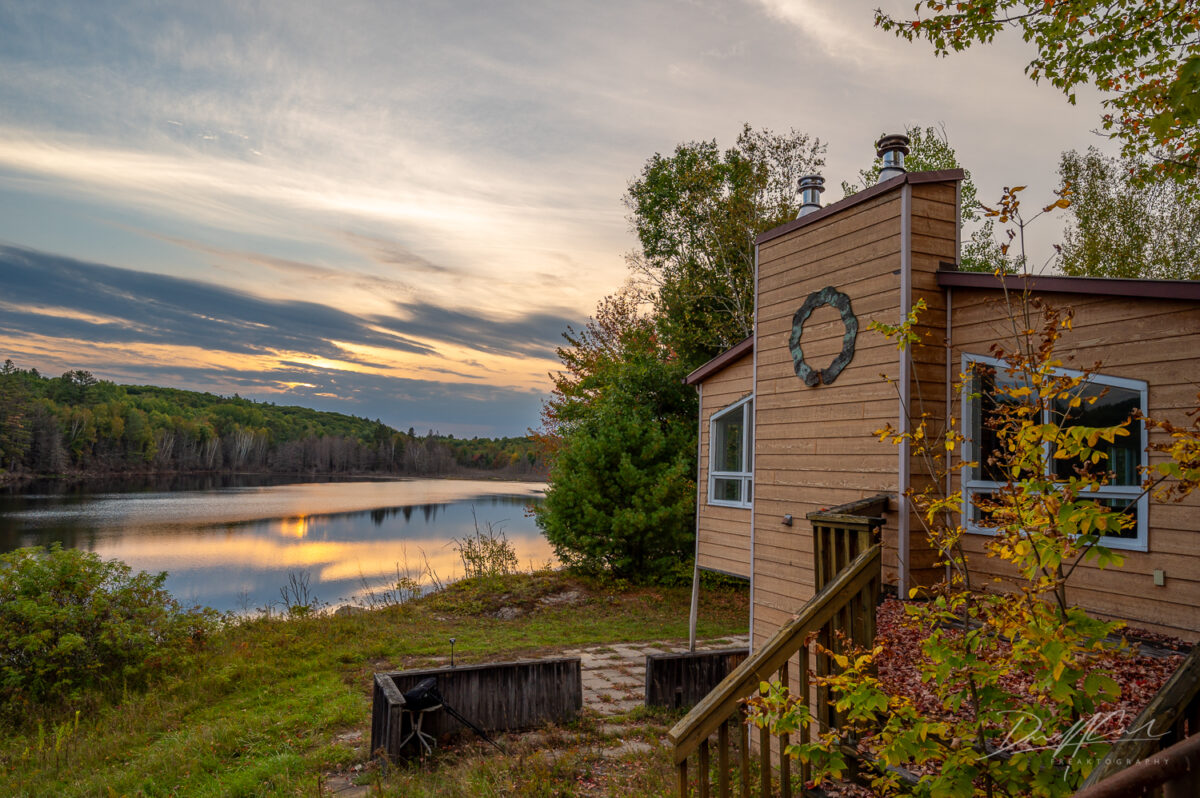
<point>139,307</point>
<point>836,29</point>
<point>533,335</point>
<point>423,365</point>
<point>56,296</point>
<point>420,190</point>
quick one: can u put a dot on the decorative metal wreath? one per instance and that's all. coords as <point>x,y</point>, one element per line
<point>839,302</point>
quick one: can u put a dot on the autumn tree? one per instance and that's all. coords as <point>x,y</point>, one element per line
<point>930,150</point>
<point>696,213</point>
<point>1142,55</point>
<point>589,353</point>
<point>1118,228</point>
<point>980,735</point>
<point>621,489</point>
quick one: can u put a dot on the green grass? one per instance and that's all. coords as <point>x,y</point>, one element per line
<point>259,713</point>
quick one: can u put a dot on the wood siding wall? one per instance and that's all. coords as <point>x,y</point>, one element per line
<point>724,532</point>
<point>814,446</point>
<point>1157,341</point>
<point>934,241</point>
<point>818,447</point>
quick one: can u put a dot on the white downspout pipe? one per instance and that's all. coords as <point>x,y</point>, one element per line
<point>695,611</point>
<point>754,438</point>
<point>903,478</point>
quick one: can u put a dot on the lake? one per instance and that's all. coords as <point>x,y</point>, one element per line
<point>233,543</point>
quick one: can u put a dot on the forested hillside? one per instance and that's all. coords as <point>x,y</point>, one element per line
<point>79,424</point>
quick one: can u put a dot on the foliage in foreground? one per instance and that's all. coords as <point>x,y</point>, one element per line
<point>73,624</point>
<point>1143,55</point>
<point>1017,674</point>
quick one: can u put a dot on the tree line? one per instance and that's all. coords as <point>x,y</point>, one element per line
<point>78,424</point>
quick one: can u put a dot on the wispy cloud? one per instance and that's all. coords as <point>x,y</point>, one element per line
<point>837,30</point>
<point>50,298</point>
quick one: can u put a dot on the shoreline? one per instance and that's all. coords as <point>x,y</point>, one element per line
<point>8,479</point>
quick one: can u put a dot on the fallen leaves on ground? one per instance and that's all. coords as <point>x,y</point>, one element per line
<point>1140,674</point>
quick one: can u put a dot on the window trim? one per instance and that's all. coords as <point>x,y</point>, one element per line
<point>746,475</point>
<point>971,486</point>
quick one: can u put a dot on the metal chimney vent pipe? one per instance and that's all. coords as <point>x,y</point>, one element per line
<point>892,150</point>
<point>810,188</point>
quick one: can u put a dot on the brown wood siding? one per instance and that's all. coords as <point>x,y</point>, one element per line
<point>1153,340</point>
<point>816,447</point>
<point>723,532</point>
<point>934,241</point>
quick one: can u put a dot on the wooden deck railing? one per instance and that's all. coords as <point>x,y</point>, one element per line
<point>848,566</point>
<point>1162,746</point>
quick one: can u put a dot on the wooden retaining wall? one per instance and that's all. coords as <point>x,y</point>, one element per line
<point>681,680</point>
<point>497,697</point>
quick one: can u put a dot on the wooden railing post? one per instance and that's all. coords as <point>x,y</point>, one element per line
<point>744,752</point>
<point>840,603</point>
<point>764,762</point>
<point>785,762</point>
<point>723,760</point>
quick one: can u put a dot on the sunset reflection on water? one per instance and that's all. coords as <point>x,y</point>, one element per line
<point>220,550</point>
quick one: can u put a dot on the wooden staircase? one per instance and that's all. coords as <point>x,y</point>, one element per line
<point>847,567</point>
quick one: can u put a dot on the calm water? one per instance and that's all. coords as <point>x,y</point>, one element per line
<point>233,545</point>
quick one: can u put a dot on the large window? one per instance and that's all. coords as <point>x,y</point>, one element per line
<point>730,469</point>
<point>990,383</point>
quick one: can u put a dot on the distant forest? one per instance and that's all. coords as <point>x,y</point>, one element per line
<point>77,424</point>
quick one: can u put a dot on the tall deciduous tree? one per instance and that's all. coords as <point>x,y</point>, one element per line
<point>590,355</point>
<point>930,150</point>
<point>1143,55</point>
<point>1119,228</point>
<point>696,213</point>
<point>621,494</point>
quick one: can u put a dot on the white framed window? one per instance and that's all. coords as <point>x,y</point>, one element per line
<point>1116,399</point>
<point>730,455</point>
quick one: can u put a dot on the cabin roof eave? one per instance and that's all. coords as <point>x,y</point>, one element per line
<point>720,361</point>
<point>1132,288</point>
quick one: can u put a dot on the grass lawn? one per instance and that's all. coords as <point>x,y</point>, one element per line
<point>271,707</point>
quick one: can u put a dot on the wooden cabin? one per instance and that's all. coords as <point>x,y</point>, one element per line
<point>788,418</point>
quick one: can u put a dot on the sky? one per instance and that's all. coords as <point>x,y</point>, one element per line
<point>395,209</point>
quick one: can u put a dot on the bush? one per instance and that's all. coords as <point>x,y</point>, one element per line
<point>71,622</point>
<point>488,553</point>
<point>622,497</point>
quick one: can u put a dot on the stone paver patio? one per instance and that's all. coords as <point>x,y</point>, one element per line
<point>614,675</point>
